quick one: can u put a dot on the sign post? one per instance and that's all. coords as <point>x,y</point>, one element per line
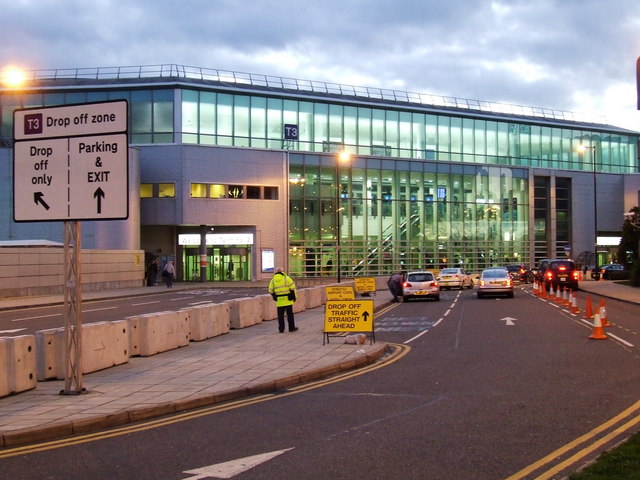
<point>71,163</point>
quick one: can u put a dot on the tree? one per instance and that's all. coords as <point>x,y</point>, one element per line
<point>628,250</point>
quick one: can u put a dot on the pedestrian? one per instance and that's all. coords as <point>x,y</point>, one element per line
<point>395,285</point>
<point>169,273</point>
<point>153,273</point>
<point>283,290</point>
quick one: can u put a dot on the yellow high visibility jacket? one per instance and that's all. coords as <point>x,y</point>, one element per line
<point>280,286</point>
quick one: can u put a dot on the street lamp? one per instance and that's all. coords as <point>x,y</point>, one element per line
<point>582,148</point>
<point>342,157</point>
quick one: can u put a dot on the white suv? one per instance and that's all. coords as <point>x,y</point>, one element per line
<point>420,285</point>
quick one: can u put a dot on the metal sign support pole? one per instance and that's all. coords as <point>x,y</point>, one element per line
<point>72,308</point>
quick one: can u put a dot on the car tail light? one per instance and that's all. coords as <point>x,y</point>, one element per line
<point>549,275</point>
<point>575,275</point>
<point>509,282</point>
<point>406,284</point>
<point>433,284</point>
<point>562,268</point>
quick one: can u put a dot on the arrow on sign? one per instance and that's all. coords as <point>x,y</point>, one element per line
<point>37,198</point>
<point>234,467</point>
<point>99,195</point>
<point>508,320</point>
<point>365,315</point>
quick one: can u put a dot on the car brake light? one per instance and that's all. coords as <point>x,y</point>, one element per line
<point>562,268</point>
<point>575,275</point>
<point>549,275</point>
<point>406,284</point>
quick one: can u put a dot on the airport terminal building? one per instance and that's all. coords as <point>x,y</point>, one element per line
<point>232,174</point>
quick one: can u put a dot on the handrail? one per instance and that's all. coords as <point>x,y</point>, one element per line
<point>313,86</point>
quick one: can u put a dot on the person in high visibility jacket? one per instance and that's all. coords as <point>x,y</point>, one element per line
<point>283,290</point>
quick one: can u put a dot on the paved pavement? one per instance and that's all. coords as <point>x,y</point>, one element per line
<point>246,361</point>
<point>252,360</point>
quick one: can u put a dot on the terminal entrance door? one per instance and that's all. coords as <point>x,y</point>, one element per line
<point>224,264</point>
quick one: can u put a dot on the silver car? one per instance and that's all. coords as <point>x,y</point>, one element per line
<point>455,278</point>
<point>495,281</point>
<point>420,285</point>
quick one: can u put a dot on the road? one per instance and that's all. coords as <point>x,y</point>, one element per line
<point>485,389</point>
<point>29,320</point>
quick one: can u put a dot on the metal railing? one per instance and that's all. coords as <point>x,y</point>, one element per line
<point>172,71</point>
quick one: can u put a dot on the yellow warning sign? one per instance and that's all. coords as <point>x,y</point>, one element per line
<point>348,316</point>
<point>365,284</point>
<point>340,293</point>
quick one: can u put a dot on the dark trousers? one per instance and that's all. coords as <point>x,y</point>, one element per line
<point>290,321</point>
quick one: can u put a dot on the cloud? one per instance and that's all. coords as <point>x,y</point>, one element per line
<point>562,54</point>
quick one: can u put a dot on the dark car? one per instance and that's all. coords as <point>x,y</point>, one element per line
<point>561,272</point>
<point>520,273</point>
<point>606,271</point>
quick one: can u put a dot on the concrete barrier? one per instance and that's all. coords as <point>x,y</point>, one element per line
<point>313,297</point>
<point>104,345</point>
<point>301,301</point>
<point>18,360</point>
<point>158,332</point>
<point>245,312</point>
<point>208,321</point>
<point>49,356</point>
<point>269,310</point>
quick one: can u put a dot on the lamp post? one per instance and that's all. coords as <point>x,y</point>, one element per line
<point>582,148</point>
<point>342,157</point>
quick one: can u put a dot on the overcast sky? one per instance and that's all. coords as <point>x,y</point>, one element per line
<point>575,55</point>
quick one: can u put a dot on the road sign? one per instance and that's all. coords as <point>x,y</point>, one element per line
<point>339,293</point>
<point>71,163</point>
<point>365,284</point>
<point>348,316</point>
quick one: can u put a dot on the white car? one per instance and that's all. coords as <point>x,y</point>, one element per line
<point>420,285</point>
<point>455,278</point>
<point>495,281</point>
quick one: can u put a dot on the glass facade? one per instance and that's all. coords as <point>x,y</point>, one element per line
<point>404,214</point>
<point>425,187</point>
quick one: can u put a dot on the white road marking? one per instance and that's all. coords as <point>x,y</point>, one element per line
<point>99,309</point>
<point>144,303</point>
<point>15,330</point>
<point>34,318</point>
<point>234,467</point>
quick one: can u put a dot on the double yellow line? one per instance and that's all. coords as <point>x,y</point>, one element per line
<point>591,444</point>
<point>397,352</point>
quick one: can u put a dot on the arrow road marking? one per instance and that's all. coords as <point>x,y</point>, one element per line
<point>508,321</point>
<point>37,199</point>
<point>234,467</point>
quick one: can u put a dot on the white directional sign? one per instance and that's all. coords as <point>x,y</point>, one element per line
<point>71,163</point>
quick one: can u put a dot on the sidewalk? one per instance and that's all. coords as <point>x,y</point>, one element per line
<point>243,362</point>
<point>611,289</point>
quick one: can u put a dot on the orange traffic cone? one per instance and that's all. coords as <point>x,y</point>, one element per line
<point>588,311</point>
<point>601,279</point>
<point>566,297</point>
<point>543,289</point>
<point>598,333</point>
<point>552,294</point>
<point>535,288</point>
<point>603,314</point>
<point>559,295</point>
<point>574,303</point>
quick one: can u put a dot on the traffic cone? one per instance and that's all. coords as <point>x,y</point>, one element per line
<point>552,294</point>
<point>567,298</point>
<point>559,295</point>
<point>535,288</point>
<point>601,279</point>
<point>603,314</point>
<point>543,289</point>
<point>574,303</point>
<point>588,311</point>
<point>598,333</point>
